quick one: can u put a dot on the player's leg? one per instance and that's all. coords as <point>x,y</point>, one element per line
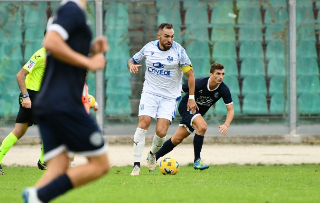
<point>158,139</point>
<point>41,163</point>
<point>18,131</point>
<point>147,110</point>
<point>180,134</point>
<point>165,114</point>
<point>200,126</point>
<point>71,177</point>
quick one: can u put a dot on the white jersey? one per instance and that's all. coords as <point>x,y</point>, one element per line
<point>163,75</point>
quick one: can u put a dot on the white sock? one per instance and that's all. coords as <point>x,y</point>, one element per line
<point>139,140</point>
<point>157,143</point>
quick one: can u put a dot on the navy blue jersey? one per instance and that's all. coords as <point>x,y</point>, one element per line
<point>205,97</point>
<point>63,83</point>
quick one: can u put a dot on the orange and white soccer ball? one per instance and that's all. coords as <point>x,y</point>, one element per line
<point>169,166</point>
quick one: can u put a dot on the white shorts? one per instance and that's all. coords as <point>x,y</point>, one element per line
<point>157,106</point>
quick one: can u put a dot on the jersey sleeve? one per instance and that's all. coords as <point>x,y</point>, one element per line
<point>35,61</point>
<point>227,99</point>
<point>67,19</point>
<point>139,56</point>
<point>183,58</point>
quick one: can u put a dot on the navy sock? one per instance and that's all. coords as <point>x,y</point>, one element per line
<point>57,187</point>
<point>197,146</point>
<point>165,149</point>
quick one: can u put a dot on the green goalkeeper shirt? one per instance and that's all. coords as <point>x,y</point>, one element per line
<point>36,67</point>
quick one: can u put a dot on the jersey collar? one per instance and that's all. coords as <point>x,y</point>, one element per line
<point>75,1</point>
<point>209,87</point>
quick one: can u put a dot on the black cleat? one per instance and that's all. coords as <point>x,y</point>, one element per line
<point>1,171</point>
<point>42,166</point>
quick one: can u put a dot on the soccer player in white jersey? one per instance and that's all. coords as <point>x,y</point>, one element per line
<point>166,61</point>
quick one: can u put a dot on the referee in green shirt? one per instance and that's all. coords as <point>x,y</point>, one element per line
<point>29,80</point>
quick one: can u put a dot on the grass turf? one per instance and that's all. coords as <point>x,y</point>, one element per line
<point>223,183</point>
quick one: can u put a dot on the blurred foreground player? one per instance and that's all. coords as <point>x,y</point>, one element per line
<point>66,126</point>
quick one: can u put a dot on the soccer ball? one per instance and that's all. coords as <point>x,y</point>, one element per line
<point>169,166</point>
<point>91,100</point>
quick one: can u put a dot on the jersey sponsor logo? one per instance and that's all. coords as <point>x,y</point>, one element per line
<point>200,91</point>
<point>216,95</point>
<point>204,100</point>
<point>157,69</point>
<point>170,59</point>
<point>31,64</point>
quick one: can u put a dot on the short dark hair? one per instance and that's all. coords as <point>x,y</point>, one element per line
<point>165,25</point>
<point>216,66</point>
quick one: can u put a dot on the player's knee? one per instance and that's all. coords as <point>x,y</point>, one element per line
<point>161,133</point>
<point>202,128</point>
<point>176,140</point>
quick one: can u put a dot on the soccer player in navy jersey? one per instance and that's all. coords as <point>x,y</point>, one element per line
<point>207,92</point>
<point>64,123</point>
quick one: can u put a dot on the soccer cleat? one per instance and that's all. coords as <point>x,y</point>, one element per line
<point>151,162</point>
<point>29,195</point>
<point>200,165</point>
<point>42,166</point>
<point>1,171</point>
<point>135,171</point>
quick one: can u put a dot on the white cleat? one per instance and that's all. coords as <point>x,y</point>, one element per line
<point>30,195</point>
<point>151,162</point>
<point>135,171</point>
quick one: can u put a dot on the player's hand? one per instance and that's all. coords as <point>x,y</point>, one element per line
<point>100,45</point>
<point>134,68</point>
<point>95,107</point>
<point>223,129</point>
<point>97,62</point>
<point>192,106</point>
<point>26,102</point>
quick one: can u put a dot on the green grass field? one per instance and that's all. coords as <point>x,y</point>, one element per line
<point>223,183</point>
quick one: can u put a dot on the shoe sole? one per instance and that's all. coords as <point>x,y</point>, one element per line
<point>201,169</point>
<point>135,174</point>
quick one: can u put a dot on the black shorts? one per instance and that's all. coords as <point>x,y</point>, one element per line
<point>187,117</point>
<point>70,131</point>
<point>25,114</point>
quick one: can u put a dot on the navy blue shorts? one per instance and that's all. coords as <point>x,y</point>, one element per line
<point>70,131</point>
<point>25,114</point>
<point>187,117</point>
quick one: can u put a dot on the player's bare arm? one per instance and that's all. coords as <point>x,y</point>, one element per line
<point>224,127</point>
<point>133,68</point>
<point>99,45</point>
<point>54,44</point>
<point>192,105</point>
<point>21,75</point>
